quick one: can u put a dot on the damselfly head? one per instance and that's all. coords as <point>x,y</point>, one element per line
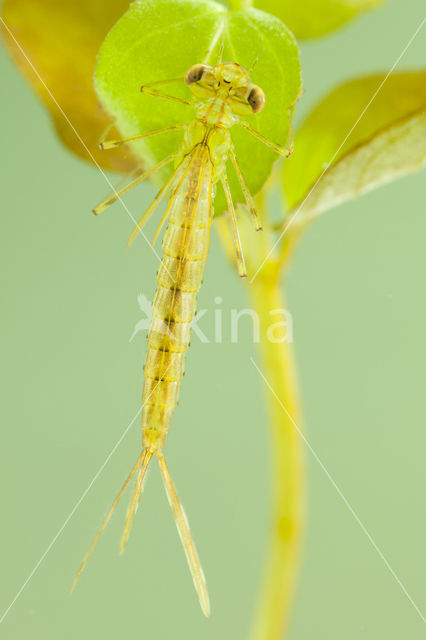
<point>228,81</point>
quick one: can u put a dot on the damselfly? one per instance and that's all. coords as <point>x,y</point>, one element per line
<point>221,96</point>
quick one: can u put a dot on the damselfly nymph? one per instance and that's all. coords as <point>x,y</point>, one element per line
<point>221,96</point>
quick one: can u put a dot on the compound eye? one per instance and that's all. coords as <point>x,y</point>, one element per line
<point>195,73</point>
<point>256,99</point>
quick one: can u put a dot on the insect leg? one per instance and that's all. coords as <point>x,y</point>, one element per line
<point>156,202</point>
<point>166,213</point>
<point>246,192</point>
<point>234,228</point>
<point>107,518</point>
<point>148,90</point>
<point>110,144</point>
<point>283,152</point>
<point>186,537</point>
<point>106,131</point>
<point>136,497</point>
<point>115,195</point>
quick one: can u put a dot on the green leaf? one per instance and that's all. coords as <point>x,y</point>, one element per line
<point>62,39</point>
<point>388,141</point>
<point>160,39</point>
<point>313,18</point>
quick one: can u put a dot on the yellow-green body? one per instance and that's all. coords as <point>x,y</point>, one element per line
<point>224,92</point>
<point>202,160</point>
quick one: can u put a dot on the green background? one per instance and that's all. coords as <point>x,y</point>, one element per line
<point>71,383</point>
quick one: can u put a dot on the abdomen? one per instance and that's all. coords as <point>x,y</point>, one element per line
<point>185,248</point>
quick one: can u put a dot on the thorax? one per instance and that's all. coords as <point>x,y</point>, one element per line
<point>211,128</point>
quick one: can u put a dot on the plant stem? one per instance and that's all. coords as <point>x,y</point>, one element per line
<point>277,366</point>
<point>288,478</point>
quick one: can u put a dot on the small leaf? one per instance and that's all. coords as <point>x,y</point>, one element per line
<point>160,39</point>
<point>313,18</point>
<point>388,141</point>
<point>61,40</point>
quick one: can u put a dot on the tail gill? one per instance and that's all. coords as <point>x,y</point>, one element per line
<point>141,467</point>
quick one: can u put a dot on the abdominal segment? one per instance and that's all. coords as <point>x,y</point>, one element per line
<point>179,278</point>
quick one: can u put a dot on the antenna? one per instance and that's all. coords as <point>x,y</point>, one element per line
<point>221,50</point>
<point>253,65</point>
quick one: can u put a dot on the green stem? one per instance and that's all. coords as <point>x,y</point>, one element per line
<point>277,366</point>
<point>287,472</point>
